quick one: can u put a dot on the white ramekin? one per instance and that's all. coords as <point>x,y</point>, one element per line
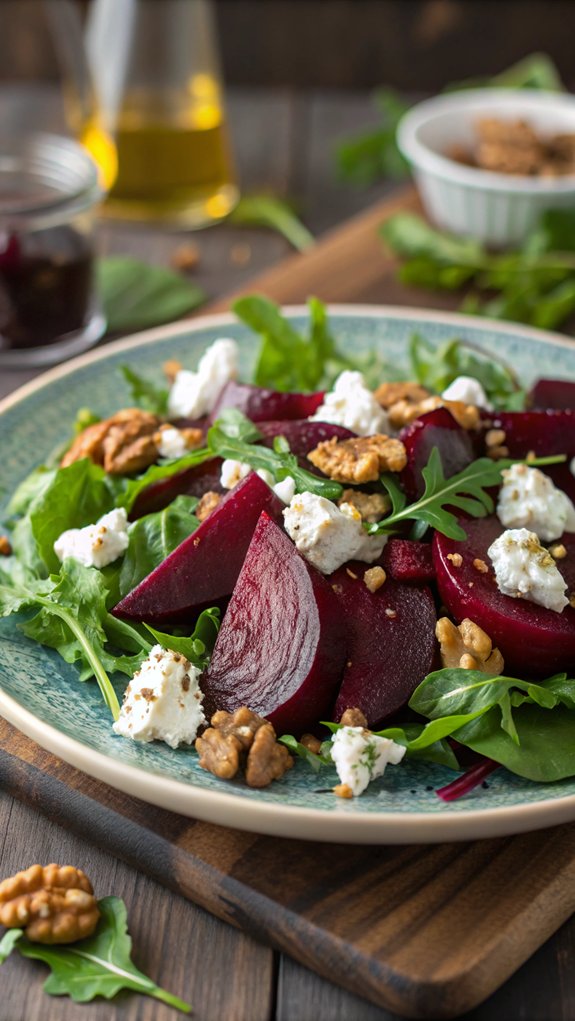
<point>498,209</point>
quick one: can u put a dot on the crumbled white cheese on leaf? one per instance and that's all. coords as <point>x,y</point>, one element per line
<point>172,443</point>
<point>233,472</point>
<point>528,499</point>
<point>360,756</point>
<point>469,391</point>
<point>285,489</point>
<point>95,545</point>
<point>329,536</point>
<point>163,701</point>
<point>524,569</point>
<point>194,394</point>
<point>352,405</point>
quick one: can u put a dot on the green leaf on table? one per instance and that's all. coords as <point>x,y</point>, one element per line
<point>137,295</point>
<point>152,538</point>
<point>270,211</point>
<point>98,966</point>
<point>410,236</point>
<point>198,646</point>
<point>8,942</point>
<point>144,393</point>
<point>374,154</point>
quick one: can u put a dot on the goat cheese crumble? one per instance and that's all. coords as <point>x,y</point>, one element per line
<point>353,406</point>
<point>172,443</point>
<point>233,472</point>
<point>360,756</point>
<point>95,545</point>
<point>194,394</point>
<point>468,390</point>
<point>524,569</point>
<point>528,499</point>
<point>329,536</point>
<point>163,701</point>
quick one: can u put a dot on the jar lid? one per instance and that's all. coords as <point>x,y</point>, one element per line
<point>45,179</point>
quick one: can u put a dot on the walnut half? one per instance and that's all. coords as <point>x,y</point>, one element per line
<point>360,459</point>
<point>52,903</point>
<point>243,740</point>
<point>467,646</point>
<point>122,444</point>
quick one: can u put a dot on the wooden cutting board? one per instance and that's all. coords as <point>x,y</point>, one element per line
<point>424,931</point>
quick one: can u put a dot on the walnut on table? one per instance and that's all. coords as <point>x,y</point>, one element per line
<point>359,459</point>
<point>122,444</point>
<point>467,646</point>
<point>52,903</point>
<point>243,740</point>
<point>372,506</point>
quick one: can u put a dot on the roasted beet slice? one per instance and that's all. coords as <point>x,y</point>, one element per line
<point>192,482</point>
<point>389,653</point>
<point>534,641</point>
<point>553,393</point>
<point>281,646</point>
<point>302,435</point>
<point>405,560</point>
<point>543,432</point>
<point>204,568</point>
<point>262,405</point>
<point>435,429</point>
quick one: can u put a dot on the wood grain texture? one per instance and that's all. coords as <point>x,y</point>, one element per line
<point>430,943</point>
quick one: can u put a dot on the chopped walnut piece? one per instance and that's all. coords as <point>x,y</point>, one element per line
<point>353,718</point>
<point>311,742</point>
<point>390,393</point>
<point>185,257</point>
<point>404,412</point>
<point>122,444</point>
<point>171,369</point>
<point>243,724</point>
<point>480,565</point>
<point>267,759</point>
<point>343,790</point>
<point>219,753</point>
<point>467,646</point>
<point>5,546</point>
<point>558,552</point>
<point>455,558</point>
<point>52,903</point>
<point>207,504</point>
<point>372,506</point>
<point>494,437</point>
<point>360,459</point>
<point>374,578</point>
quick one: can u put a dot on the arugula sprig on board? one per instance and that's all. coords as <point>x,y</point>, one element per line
<point>98,966</point>
<point>467,490</point>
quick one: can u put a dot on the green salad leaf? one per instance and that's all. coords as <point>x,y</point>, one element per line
<point>144,393</point>
<point>197,647</point>
<point>152,538</point>
<point>98,966</point>
<point>136,295</point>
<point>133,488</point>
<point>437,367</point>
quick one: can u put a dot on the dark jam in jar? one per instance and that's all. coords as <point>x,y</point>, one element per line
<point>46,285</point>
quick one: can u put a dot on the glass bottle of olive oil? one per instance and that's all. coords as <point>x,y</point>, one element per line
<point>155,69</point>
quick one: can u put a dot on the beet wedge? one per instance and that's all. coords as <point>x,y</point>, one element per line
<point>389,654</point>
<point>553,393</point>
<point>191,482</point>
<point>281,647</point>
<point>204,568</point>
<point>302,435</point>
<point>407,560</point>
<point>532,639</point>
<point>261,405</point>
<point>435,429</point>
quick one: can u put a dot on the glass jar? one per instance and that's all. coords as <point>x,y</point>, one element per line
<point>49,307</point>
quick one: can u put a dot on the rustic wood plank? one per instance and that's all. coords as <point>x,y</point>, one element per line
<point>170,935</point>
<point>432,942</point>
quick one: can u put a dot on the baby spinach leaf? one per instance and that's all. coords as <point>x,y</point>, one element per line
<point>152,538</point>
<point>544,750</point>
<point>144,393</point>
<point>136,295</point>
<point>98,966</point>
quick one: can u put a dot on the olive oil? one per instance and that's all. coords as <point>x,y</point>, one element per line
<point>172,166</point>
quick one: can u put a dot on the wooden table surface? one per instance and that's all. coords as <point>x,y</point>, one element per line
<point>284,143</point>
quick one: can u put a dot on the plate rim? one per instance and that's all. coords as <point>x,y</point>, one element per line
<point>273,818</point>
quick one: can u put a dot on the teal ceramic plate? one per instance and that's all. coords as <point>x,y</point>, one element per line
<point>41,695</point>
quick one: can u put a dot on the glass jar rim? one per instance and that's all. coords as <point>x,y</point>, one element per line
<point>53,178</point>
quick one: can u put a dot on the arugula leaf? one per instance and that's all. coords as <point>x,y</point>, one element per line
<point>145,394</point>
<point>466,490</point>
<point>270,211</point>
<point>133,488</point>
<point>374,154</point>
<point>312,758</point>
<point>136,295</point>
<point>288,360</point>
<point>197,647</point>
<point>278,461</point>
<point>152,538</point>
<point>98,966</point>
<point>437,367</point>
